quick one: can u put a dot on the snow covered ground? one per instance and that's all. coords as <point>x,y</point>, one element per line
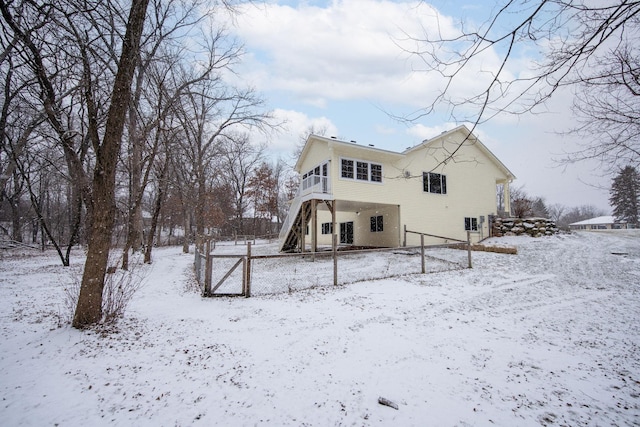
<point>550,336</point>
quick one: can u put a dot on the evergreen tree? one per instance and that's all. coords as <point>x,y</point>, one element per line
<point>539,208</point>
<point>625,192</point>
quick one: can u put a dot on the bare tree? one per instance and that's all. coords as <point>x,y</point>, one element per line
<point>579,213</point>
<point>89,308</point>
<point>51,198</point>
<point>572,42</point>
<point>154,94</point>
<point>263,191</point>
<point>212,115</point>
<point>162,172</point>
<point>66,68</point>
<point>310,130</point>
<point>19,125</point>
<point>522,207</point>
<point>239,159</point>
<point>33,180</point>
<point>82,72</point>
<point>607,106</point>
<point>43,51</point>
<point>556,211</point>
<point>280,176</point>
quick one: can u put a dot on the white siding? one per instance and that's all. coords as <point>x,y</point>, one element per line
<point>471,189</point>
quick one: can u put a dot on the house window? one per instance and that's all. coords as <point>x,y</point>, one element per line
<point>347,168</point>
<point>360,170</point>
<point>377,224</point>
<point>471,224</point>
<point>434,183</point>
<point>376,173</point>
<point>346,232</point>
<point>327,228</point>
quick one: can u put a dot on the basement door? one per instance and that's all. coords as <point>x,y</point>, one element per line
<point>346,232</point>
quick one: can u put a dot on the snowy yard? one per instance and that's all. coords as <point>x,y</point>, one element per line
<point>550,336</point>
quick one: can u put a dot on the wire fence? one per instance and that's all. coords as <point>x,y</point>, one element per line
<point>294,273</point>
<point>261,271</point>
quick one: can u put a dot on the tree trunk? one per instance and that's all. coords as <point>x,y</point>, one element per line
<point>200,203</point>
<point>34,231</point>
<point>159,228</point>
<point>89,308</point>
<point>156,211</point>
<point>76,224</point>
<point>187,232</point>
<point>154,224</point>
<point>16,225</point>
<point>134,233</point>
<point>134,218</point>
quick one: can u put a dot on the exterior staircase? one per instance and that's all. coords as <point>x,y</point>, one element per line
<point>291,231</point>
<point>313,186</point>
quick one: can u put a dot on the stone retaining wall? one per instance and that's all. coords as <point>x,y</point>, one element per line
<point>534,227</point>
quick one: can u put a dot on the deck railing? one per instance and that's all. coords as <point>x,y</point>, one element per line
<point>309,185</point>
<point>315,184</point>
<point>291,216</point>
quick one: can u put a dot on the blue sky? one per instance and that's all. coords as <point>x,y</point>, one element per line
<point>338,65</point>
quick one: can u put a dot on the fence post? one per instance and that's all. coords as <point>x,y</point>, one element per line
<point>247,290</point>
<point>334,247</point>
<point>404,242</point>
<point>244,275</point>
<point>197,263</point>
<point>208,269</point>
<point>469,248</point>
<point>422,252</point>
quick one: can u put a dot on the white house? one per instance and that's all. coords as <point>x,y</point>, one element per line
<point>368,196</point>
<point>599,223</point>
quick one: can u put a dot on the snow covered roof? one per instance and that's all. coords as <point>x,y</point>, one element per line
<point>607,219</point>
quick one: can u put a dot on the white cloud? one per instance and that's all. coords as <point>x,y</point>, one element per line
<point>384,130</point>
<point>295,127</point>
<point>308,55</point>
<point>346,50</point>
<point>427,132</point>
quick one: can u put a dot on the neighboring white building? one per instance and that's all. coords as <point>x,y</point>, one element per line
<point>367,196</point>
<point>599,223</point>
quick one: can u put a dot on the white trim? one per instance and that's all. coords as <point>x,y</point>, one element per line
<point>445,185</point>
<point>478,224</point>
<point>355,171</point>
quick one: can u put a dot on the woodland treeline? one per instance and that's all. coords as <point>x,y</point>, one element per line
<point>525,205</point>
<point>189,158</point>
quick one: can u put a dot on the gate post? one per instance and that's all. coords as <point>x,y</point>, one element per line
<point>208,269</point>
<point>247,289</point>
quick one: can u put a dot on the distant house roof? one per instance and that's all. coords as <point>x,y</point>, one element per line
<point>607,219</point>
